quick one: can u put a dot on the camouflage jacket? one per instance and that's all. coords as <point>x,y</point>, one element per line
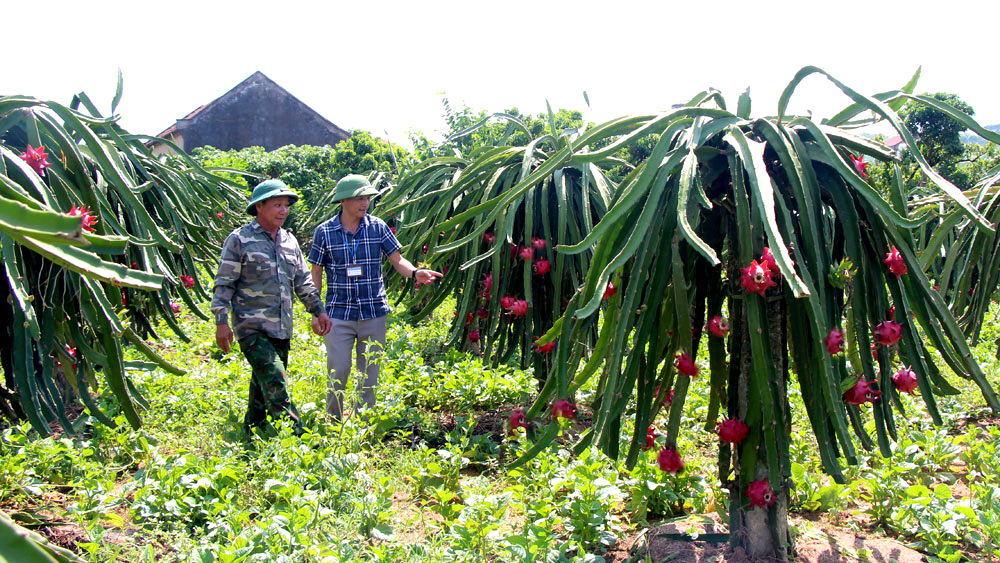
<point>255,282</point>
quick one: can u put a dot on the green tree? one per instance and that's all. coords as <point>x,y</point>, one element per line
<point>309,170</point>
<point>939,136</point>
<point>364,154</point>
<point>979,161</point>
<point>470,131</point>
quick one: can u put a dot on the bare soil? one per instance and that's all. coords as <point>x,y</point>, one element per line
<point>818,542</point>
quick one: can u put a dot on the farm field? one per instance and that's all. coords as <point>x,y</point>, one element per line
<point>425,478</point>
<point>693,335</point>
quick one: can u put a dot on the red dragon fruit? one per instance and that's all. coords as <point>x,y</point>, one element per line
<point>834,341</point>
<point>905,380</point>
<point>757,278</point>
<point>760,494</point>
<point>685,364</point>
<point>563,408</point>
<point>861,393</point>
<point>894,261</point>
<point>669,460</point>
<point>718,327</point>
<point>732,430</point>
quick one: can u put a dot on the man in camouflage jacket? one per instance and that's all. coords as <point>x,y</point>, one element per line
<point>260,268</point>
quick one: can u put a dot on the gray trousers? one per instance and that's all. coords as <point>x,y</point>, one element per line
<point>345,339</point>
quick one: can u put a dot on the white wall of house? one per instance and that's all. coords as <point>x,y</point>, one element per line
<point>161,148</point>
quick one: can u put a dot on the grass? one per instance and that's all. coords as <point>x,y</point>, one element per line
<point>423,478</point>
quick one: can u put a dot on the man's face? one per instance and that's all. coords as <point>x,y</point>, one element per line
<point>271,213</point>
<point>356,207</point>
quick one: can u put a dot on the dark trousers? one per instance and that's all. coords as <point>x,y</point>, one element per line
<point>268,358</point>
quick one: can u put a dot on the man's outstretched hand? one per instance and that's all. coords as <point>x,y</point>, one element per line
<point>425,277</point>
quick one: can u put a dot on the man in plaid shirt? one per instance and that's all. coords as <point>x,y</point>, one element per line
<point>350,247</point>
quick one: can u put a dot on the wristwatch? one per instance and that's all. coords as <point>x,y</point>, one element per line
<point>414,275</point>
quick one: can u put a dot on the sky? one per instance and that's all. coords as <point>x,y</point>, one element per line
<point>385,66</point>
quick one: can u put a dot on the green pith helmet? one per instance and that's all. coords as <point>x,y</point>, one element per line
<point>353,185</point>
<point>268,189</point>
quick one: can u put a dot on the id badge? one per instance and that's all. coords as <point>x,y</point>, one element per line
<point>354,271</point>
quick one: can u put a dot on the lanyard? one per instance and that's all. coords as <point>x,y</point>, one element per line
<point>357,239</point>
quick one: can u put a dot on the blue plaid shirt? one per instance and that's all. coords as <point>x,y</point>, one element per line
<point>333,248</point>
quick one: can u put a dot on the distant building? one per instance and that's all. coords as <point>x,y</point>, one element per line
<point>894,142</point>
<point>256,113</point>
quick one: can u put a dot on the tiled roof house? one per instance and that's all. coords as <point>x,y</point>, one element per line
<point>256,112</point>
